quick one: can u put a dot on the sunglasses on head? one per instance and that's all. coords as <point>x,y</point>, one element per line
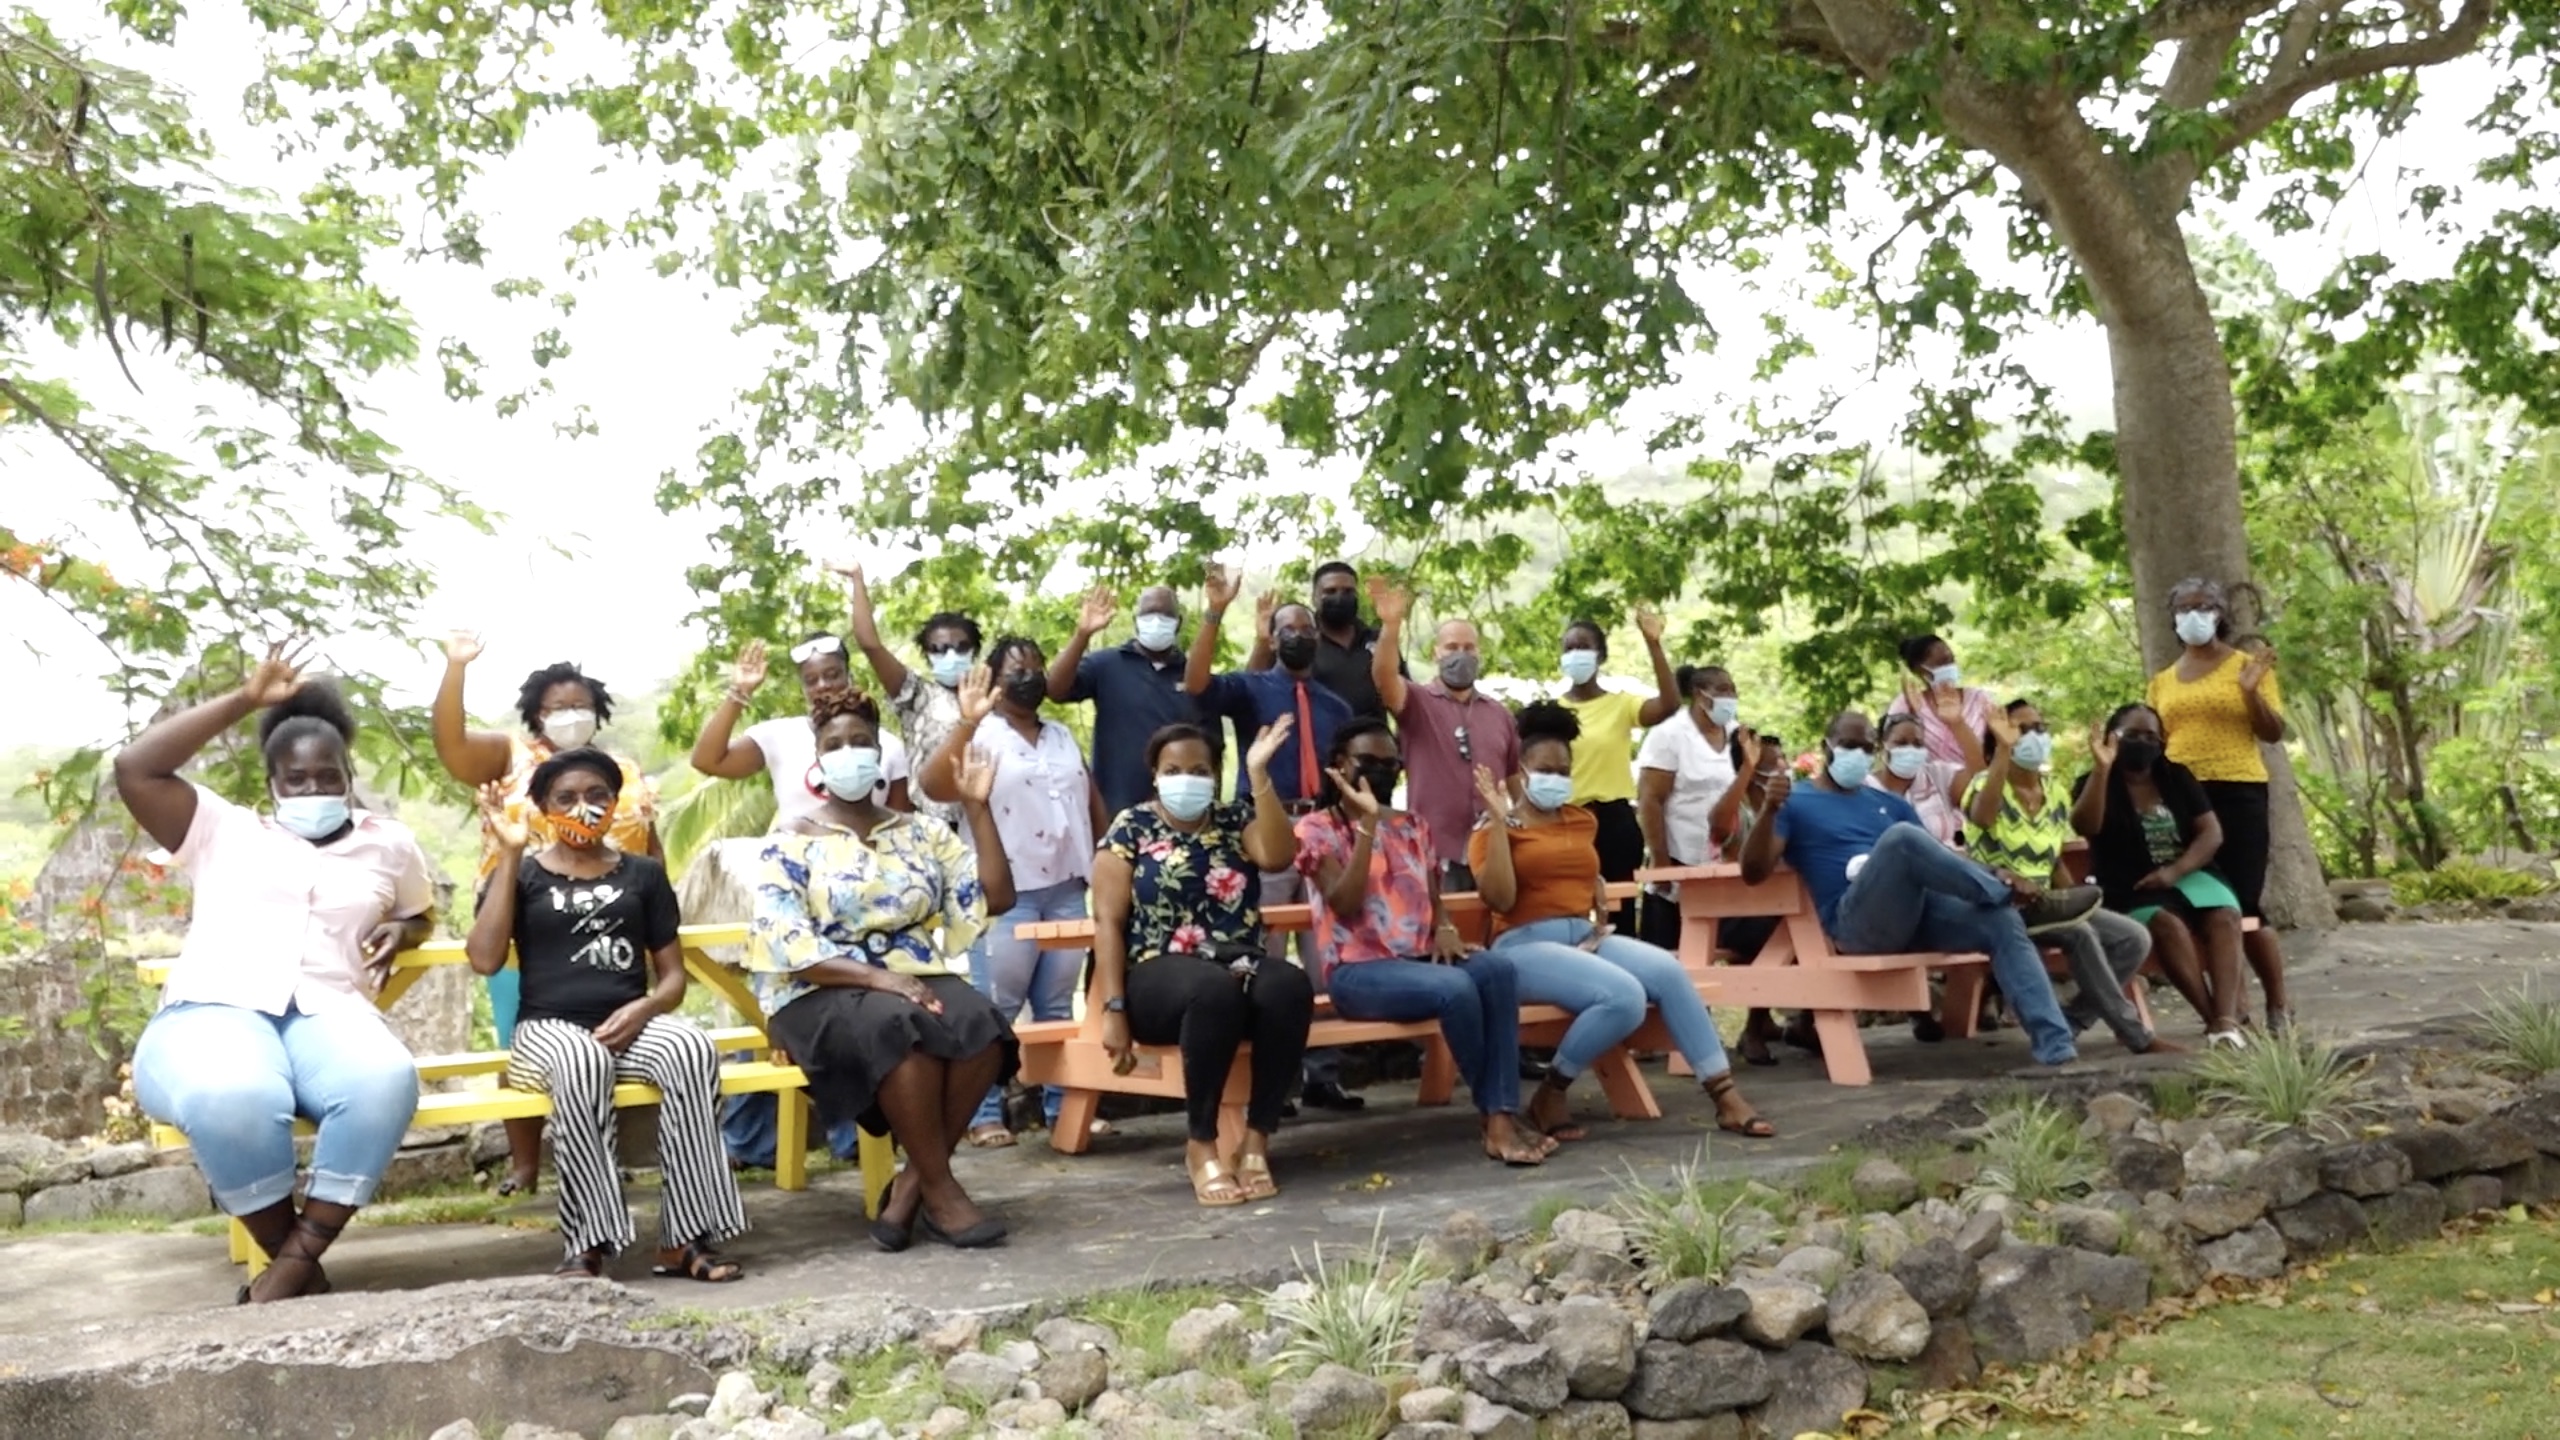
<point>808,650</point>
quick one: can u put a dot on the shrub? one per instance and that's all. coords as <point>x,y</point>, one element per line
<point>2292,1079</point>
<point>1687,1232</point>
<point>2462,881</point>
<point>2519,1034</point>
<point>1357,1313</point>
<point>2032,1150</point>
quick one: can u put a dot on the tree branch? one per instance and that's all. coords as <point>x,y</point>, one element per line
<point>2251,115</point>
<point>2195,19</point>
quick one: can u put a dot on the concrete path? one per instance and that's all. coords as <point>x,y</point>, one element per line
<point>1122,1216</point>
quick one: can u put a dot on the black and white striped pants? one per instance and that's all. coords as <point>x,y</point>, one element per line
<point>699,1197</point>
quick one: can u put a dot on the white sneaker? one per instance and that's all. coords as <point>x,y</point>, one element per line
<point>2227,1040</point>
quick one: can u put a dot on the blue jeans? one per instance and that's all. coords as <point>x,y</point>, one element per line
<point>1009,972</point>
<point>750,1131</point>
<point>1477,1004</point>
<point>1915,892</point>
<point>1607,991</point>
<point>234,1079</point>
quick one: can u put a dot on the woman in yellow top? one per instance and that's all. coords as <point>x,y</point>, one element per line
<point>2219,703</point>
<point>1604,772</point>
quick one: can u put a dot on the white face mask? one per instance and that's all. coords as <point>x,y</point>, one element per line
<point>1905,761</point>
<point>569,729</point>
<point>1581,665</point>
<point>2195,627</point>
<point>1156,632</point>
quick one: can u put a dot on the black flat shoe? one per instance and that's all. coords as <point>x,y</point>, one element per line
<point>892,1238</point>
<point>1927,1029</point>
<point>1329,1096</point>
<point>989,1231</point>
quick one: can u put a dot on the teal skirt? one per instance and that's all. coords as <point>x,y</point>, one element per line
<point>2201,889</point>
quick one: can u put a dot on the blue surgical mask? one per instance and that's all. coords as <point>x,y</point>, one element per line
<point>1850,768</point>
<point>1947,674</point>
<point>2033,751</point>
<point>1905,760</point>
<point>1724,711</point>
<point>313,817</point>
<point>1548,792</point>
<point>850,773</point>
<point>1581,665</point>
<point>950,667</point>
<point>1156,632</point>
<point>2195,627</point>
<point>1186,797</point>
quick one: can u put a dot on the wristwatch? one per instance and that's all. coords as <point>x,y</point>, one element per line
<point>1117,1004</point>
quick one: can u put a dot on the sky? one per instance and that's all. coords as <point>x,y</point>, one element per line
<point>654,361</point>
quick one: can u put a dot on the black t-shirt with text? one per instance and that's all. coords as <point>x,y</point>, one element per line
<point>582,946</point>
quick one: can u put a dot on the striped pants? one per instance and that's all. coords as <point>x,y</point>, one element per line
<point>699,1197</point>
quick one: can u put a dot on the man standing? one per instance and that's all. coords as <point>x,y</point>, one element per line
<point>1447,727</point>
<point>1344,646</point>
<point>1136,690</point>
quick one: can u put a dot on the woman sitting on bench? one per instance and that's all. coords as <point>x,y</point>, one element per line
<point>1389,950</point>
<point>1538,870</point>
<point>594,933</point>
<point>268,1012</point>
<point>1177,950</point>
<point>859,910</point>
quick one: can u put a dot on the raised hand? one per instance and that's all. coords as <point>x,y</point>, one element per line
<point>1497,799</point>
<point>1749,740</point>
<point>1267,742</point>
<point>463,646</point>
<point>2002,729</point>
<point>1948,702</point>
<point>1219,590</point>
<point>2255,670</point>
<point>1100,606</point>
<point>2102,745</point>
<point>1355,793</point>
<point>977,774</point>
<point>277,676</point>
<point>1263,605</point>
<point>1390,602</point>
<point>506,824</point>
<point>1649,622</point>
<point>1914,703</point>
<point>749,671</point>
<point>863,618</point>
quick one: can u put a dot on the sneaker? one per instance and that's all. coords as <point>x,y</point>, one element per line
<point>2061,909</point>
<point>2227,1040</point>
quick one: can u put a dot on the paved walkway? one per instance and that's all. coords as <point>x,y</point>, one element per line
<point>1122,1215</point>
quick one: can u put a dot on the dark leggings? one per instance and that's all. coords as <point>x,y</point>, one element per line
<point>1620,841</point>
<point>2241,806</point>
<point>1196,1004</point>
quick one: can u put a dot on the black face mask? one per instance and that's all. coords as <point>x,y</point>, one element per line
<point>1381,777</point>
<point>1027,689</point>
<point>1296,651</point>
<point>1339,609</point>
<point>2137,752</point>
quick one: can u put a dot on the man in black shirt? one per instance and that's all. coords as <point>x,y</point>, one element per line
<point>1343,643</point>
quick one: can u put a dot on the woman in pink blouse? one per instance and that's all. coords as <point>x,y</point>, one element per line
<point>268,1012</point>
<point>1952,714</point>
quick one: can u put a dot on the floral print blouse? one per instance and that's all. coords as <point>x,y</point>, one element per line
<point>1395,915</point>
<point>1189,890</point>
<point>905,901</point>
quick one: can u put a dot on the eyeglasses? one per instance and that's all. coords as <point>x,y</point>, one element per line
<point>1465,750</point>
<point>808,650</point>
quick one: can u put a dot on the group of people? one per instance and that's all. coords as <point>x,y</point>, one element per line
<point>902,855</point>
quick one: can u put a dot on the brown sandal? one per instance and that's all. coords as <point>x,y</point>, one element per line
<point>696,1262</point>
<point>1750,1125</point>
<point>587,1266</point>
<point>1214,1187</point>
<point>990,1136</point>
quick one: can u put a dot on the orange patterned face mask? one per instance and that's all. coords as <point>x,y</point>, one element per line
<point>581,825</point>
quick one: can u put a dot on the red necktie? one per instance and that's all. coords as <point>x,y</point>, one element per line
<point>1306,745</point>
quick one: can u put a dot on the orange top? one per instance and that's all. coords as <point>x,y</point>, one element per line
<point>1557,864</point>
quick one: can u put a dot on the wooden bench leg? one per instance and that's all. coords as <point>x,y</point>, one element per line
<point>879,1156</point>
<point>1844,1050</point>
<point>1960,1003</point>
<point>1439,1072</point>
<point>791,1141</point>
<point>1621,1079</point>
<point>1077,1110</point>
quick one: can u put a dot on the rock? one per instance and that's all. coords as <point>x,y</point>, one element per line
<point>736,1400</point>
<point>2363,1170</point>
<point>2114,1114</point>
<point>1595,1269</point>
<point>1059,1335</point>
<point>1042,1416</point>
<point>2255,1252</point>
<point>2435,1151</point>
<point>2405,1216</point>
<point>1336,1400</point>
<point>108,1161</point>
<point>1452,1319</point>
<point>2325,1224</point>
<point>1428,1430</point>
<point>1482,1419</point>
<point>1880,1184</point>
<point>2213,1211</point>
<point>2143,1166</point>
<point>1881,1241</point>
<point>2166,1245</point>
<point>1682,1382</point>
<point>2287,1175</point>
<point>2086,1227</point>
<point>1874,1318</point>
<point>1521,1374</point>
<point>786,1423</point>
<point>1431,1403</point>
<point>1948,1361</point>
<point>1596,1344</point>
<point>1933,1218</point>
<point>1187,1392</point>
<point>1783,1308</point>
<point>458,1430</point>
<point>2110,1285</point>
<point>1461,1245</point>
<point>1712,1427</point>
<point>2535,1182</point>
<point>1817,1265</point>
<point>1587,1420</point>
<point>826,1379</point>
<point>1982,1233</point>
<point>1074,1377</point>
<point>960,1332</point>
<point>640,1427</point>
<point>981,1377</point>
<point>1939,1276</point>
<point>2024,1308</point>
<point>868,1428</point>
<point>2497,1142</point>
<point>2366,909</point>
<point>173,1193</point>
<point>1694,1310</point>
<point>1811,1387</point>
<point>1828,1231</point>
<point>692,1402</point>
<point>1200,1336</point>
<point>13,1211</point>
<point>1022,1355</point>
<point>1591,1230</point>
<point>2463,1194</point>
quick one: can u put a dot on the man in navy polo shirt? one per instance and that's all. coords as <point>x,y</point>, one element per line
<point>1136,690</point>
<point>1343,644</point>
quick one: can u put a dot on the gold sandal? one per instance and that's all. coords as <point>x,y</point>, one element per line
<point>1214,1187</point>
<point>1254,1172</point>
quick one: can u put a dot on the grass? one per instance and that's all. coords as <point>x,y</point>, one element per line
<point>2519,1035</point>
<point>2032,1151</point>
<point>1359,1312</point>
<point>2464,882</point>
<point>2291,1079</point>
<point>1694,1230</point>
<point>1542,1215</point>
<point>2411,1343</point>
<point>1140,1319</point>
<point>2175,1096</point>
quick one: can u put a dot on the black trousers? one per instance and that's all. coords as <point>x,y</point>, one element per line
<point>1185,1001</point>
<point>1620,842</point>
<point>2241,806</point>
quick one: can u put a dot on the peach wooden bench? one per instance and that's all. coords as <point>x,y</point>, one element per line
<point>1069,1053</point>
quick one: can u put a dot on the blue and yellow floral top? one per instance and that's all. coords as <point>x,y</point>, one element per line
<point>1188,890</point>
<point>905,901</point>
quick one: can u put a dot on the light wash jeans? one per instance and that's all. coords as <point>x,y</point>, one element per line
<point>1477,1004</point>
<point>2103,953</point>
<point>234,1079</point>
<point>1607,991</point>
<point>1915,892</point>
<point>1010,972</point>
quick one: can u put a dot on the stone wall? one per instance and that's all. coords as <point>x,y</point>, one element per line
<point>51,1078</point>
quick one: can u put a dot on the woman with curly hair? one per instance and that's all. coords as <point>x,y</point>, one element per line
<point>562,707</point>
<point>268,1013</point>
<point>1538,872</point>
